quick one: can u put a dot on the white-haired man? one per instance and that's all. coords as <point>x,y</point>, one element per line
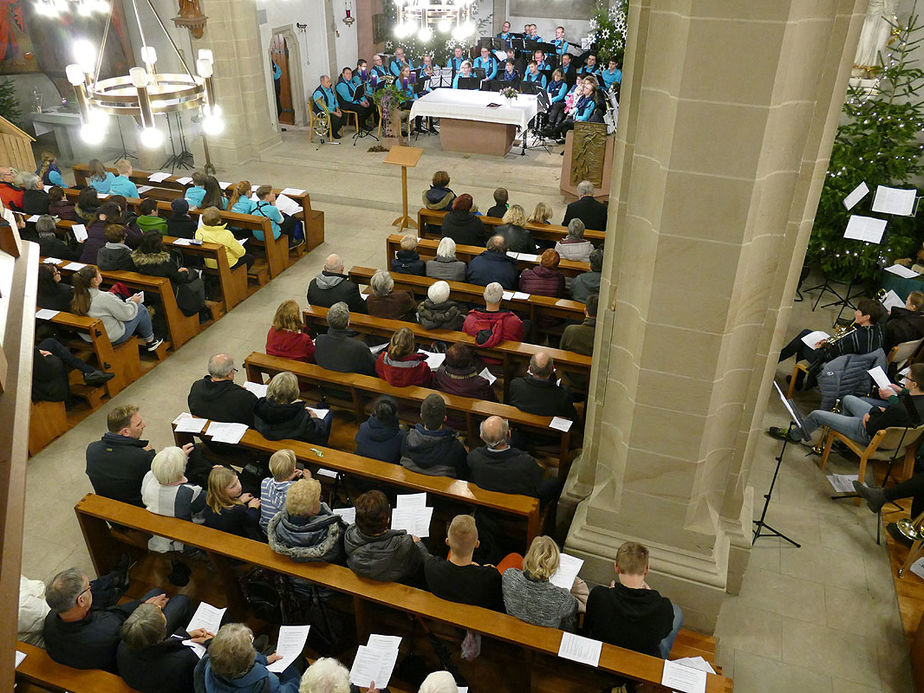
<point>587,209</point>
<point>332,286</point>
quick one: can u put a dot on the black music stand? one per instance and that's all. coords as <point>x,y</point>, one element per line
<point>532,88</point>
<point>468,82</point>
<point>795,420</point>
<point>492,85</point>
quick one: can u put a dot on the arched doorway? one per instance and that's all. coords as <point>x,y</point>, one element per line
<point>282,79</point>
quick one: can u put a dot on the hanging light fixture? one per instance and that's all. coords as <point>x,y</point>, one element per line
<point>83,8</point>
<point>144,93</point>
<point>421,17</point>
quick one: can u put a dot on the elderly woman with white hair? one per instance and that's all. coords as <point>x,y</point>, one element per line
<point>573,246</point>
<point>437,682</point>
<point>283,414</point>
<point>437,312</point>
<point>232,665</point>
<point>385,302</point>
<point>327,675</point>
<point>445,265</point>
<point>166,491</point>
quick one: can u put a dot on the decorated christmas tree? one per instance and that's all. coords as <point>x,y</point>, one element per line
<point>608,28</point>
<point>876,143</point>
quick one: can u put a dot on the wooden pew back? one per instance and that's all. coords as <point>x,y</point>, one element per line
<point>541,232</point>
<point>40,669</point>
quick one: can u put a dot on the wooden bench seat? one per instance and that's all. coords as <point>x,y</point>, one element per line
<point>522,508</point>
<point>47,421</point>
<point>95,512</point>
<point>541,232</point>
<point>40,669</point>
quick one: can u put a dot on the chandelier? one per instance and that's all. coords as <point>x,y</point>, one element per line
<point>83,8</point>
<point>423,16</point>
<point>143,93</point>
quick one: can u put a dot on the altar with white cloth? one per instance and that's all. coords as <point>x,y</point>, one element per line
<point>468,124</point>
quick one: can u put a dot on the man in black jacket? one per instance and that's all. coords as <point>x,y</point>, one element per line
<point>338,350</point>
<point>218,397</point>
<point>587,209</point>
<point>429,447</point>
<point>332,286</point>
<point>905,324</point>
<point>537,392</point>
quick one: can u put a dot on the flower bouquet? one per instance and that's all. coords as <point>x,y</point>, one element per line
<point>509,93</point>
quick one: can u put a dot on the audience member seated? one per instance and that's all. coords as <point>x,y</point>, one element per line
<point>432,449</point>
<point>59,206</point>
<point>306,529</point>
<point>118,462</point>
<point>149,219</point>
<point>213,196</point>
<point>273,489</point>
<point>445,265</point>
<point>545,279</point>
<point>85,635</point>
<point>213,231</point>
<point>537,392</point>
<point>153,259</point>
<point>229,510</point>
<point>385,302</point>
<point>53,294</point>
<point>52,242</point>
<point>106,213</point>
<point>492,325</point>
<point>99,178</point>
<point>51,363</point>
<point>376,552</point>
<point>121,318</point>
<point>493,265</point>
<point>588,283</point>
<point>115,255</point>
<point>400,364</point>
<point>87,204</point>
<point>49,172</point>
<point>500,203</point>
<point>461,374</point>
<point>150,659</point>
<point>517,238</point>
<point>122,184</point>
<point>337,350</point>
<point>573,246</point>
<point>587,208</point>
<point>461,225</point>
<point>10,193</point>
<point>629,613</point>
<point>381,435</point>
<point>327,675</point>
<point>34,198</point>
<point>333,286</point>
<point>530,596</point>
<point>286,337</point>
<point>439,196</point>
<point>457,578</point>
<point>232,664</point>
<point>499,467</point>
<point>541,214</point>
<point>127,217</point>
<point>280,223</point>
<point>437,312</point>
<point>282,414</point>
<point>240,201</point>
<point>580,339</point>
<point>179,223</point>
<point>195,192</point>
<point>904,324</point>
<point>166,491</point>
<point>217,397</point>
<point>406,260</point>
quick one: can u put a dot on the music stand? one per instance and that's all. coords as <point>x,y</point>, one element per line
<point>404,157</point>
<point>795,420</point>
<point>492,85</point>
<point>531,88</point>
<point>479,72</point>
<point>468,83</point>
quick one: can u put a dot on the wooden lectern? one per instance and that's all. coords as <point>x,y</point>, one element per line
<point>404,157</point>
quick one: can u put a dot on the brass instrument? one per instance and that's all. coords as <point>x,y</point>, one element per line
<point>820,448</point>
<point>840,332</point>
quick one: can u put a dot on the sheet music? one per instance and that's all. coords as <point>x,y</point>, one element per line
<point>894,201</point>
<point>183,241</point>
<point>289,646</point>
<point>45,314</point>
<point>812,338</point>
<point>488,375</point>
<point>52,260</point>
<point>508,295</point>
<point>413,520</point>
<point>348,514</point>
<point>879,376</point>
<point>412,500</point>
<point>857,194</point>
<point>560,424</point>
<point>181,416</point>
<point>207,617</point>
<point>520,296</point>
<point>843,483</point>
<point>867,229</point>
<point>902,271</point>
<point>287,205</point>
<point>580,649</point>
<point>892,301</point>
<point>683,678</point>
<point>185,180</point>
<point>159,177</point>
<point>383,643</point>
<point>144,188</point>
<point>372,665</point>
<point>292,191</point>
<point>74,266</point>
<point>696,663</point>
<point>434,360</point>
<point>190,424</point>
<point>80,232</point>
<point>568,569</point>
<point>328,473</point>
<point>223,432</point>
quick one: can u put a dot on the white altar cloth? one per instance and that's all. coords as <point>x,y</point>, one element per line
<point>468,104</point>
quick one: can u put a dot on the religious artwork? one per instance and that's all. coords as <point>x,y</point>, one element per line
<point>15,43</point>
<point>874,37</point>
<point>575,9</point>
<point>588,149</point>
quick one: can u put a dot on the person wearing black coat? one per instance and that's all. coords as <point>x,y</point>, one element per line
<point>407,261</point>
<point>430,448</point>
<point>493,265</point>
<point>218,398</point>
<point>587,209</point>
<point>50,366</point>
<point>180,224</point>
<point>380,437</point>
<point>333,286</point>
<point>281,414</point>
<point>50,243</point>
<point>537,393</point>
<point>34,198</point>
<point>517,238</point>
<point>905,324</point>
<point>338,350</point>
<point>117,463</point>
<point>461,225</point>
<point>53,294</point>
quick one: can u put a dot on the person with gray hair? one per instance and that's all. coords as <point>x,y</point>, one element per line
<point>573,246</point>
<point>82,629</point>
<point>10,193</point>
<point>387,303</point>
<point>283,414</point>
<point>437,312</point>
<point>50,242</point>
<point>166,491</point>
<point>338,350</point>
<point>218,397</point>
<point>432,448</point>
<point>406,260</point>
<point>493,265</point>
<point>326,675</point>
<point>232,664</point>
<point>588,283</point>
<point>333,286</point>
<point>587,208</point>
<point>538,393</point>
<point>493,325</point>
<point>445,265</point>
<point>34,199</point>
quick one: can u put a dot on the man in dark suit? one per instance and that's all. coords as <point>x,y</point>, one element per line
<point>587,209</point>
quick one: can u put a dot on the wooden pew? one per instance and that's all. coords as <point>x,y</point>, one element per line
<point>541,232</point>
<point>40,669</point>
<point>94,513</point>
<point>426,248</point>
<point>364,389</point>
<point>454,490</point>
<point>514,356</point>
<point>167,189</point>
<point>47,421</point>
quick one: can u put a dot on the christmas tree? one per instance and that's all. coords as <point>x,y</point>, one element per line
<point>608,27</point>
<point>9,106</point>
<point>876,143</point>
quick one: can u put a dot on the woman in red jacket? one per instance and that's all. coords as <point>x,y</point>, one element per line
<point>545,279</point>
<point>286,338</point>
<point>400,364</point>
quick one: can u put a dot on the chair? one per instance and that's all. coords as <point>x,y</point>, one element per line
<point>884,446</point>
<point>901,353</point>
<point>800,367</point>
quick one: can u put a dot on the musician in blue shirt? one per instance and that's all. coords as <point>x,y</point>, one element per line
<point>582,110</point>
<point>533,75</point>
<point>567,69</point>
<point>427,70</point>
<point>557,88</point>
<point>455,62</point>
<point>464,73</point>
<point>488,63</point>
<point>612,75</point>
<point>559,101</point>
<point>510,73</point>
<point>541,64</point>
<point>399,62</point>
<point>378,67</point>
<point>559,42</point>
<point>590,67</point>
<point>505,33</point>
<point>534,34</point>
<point>324,96</point>
<point>351,98</point>
<point>361,74</point>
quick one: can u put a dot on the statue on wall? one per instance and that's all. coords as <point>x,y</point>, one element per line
<point>874,37</point>
<point>588,153</point>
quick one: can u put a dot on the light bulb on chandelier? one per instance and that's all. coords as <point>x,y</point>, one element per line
<point>151,138</point>
<point>425,34</point>
<point>212,122</point>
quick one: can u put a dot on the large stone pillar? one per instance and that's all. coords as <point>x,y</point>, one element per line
<point>727,118</point>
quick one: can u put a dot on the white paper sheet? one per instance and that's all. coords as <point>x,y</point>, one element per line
<point>488,375</point>
<point>894,200</point>
<point>80,232</point>
<point>183,241</point>
<point>696,663</point>
<point>682,678</point>
<point>383,643</point>
<point>259,389</point>
<point>812,338</point>
<point>892,300</point>
<point>292,191</point>
<point>223,184</point>
<point>320,413</point>
<point>512,254</point>
<point>560,424</point>
<point>434,360</point>
<point>206,616</point>
<point>45,314</point>
<point>508,295</point>
<point>917,568</point>
<point>102,196</point>
<point>905,371</point>
<point>140,295</point>
<point>868,229</point>
<point>254,188</point>
<point>412,500</point>
<point>528,257</point>
<point>185,180</point>
<point>564,302</point>
<point>142,189</point>
<point>520,296</point>
<point>377,348</point>
<point>413,520</point>
<point>348,514</point>
<point>879,376</point>
<point>190,424</point>
<point>289,646</point>
<point>19,657</point>
<point>842,483</point>
<point>74,266</point>
<point>53,260</point>
<point>857,194</point>
<point>223,432</point>
<point>34,218</point>
<point>372,665</point>
<point>196,647</point>
<point>568,568</point>
<point>287,205</point>
<point>328,473</point>
<point>181,416</point>
<point>580,649</point>
<point>902,271</point>
<point>159,177</point>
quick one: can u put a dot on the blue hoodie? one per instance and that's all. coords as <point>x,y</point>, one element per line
<point>194,195</point>
<point>381,441</point>
<point>254,681</point>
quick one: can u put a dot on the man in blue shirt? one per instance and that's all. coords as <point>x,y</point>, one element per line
<point>378,67</point>
<point>559,42</point>
<point>488,63</point>
<point>351,97</point>
<point>541,64</point>
<point>325,97</point>
<point>121,185</point>
<point>505,33</point>
<point>533,75</point>
<point>281,223</point>
<point>399,62</point>
<point>590,67</point>
<point>567,69</point>
<point>534,34</point>
<point>455,62</point>
<point>612,75</point>
<point>464,73</point>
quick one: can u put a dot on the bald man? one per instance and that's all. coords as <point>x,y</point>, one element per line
<point>218,397</point>
<point>538,393</point>
<point>333,286</point>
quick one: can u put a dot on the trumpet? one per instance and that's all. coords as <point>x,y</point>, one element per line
<point>840,332</point>
<point>820,447</point>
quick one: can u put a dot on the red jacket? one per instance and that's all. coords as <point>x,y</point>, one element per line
<point>503,325</point>
<point>543,281</point>
<point>11,196</point>
<point>290,345</point>
<point>409,370</point>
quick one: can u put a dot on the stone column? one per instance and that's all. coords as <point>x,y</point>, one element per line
<point>727,118</point>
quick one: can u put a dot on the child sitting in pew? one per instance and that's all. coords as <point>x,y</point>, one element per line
<point>281,223</point>
<point>148,219</point>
